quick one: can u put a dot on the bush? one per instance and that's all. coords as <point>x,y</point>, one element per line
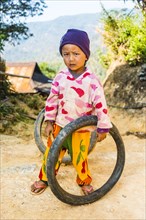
<point>48,71</point>
<point>124,36</point>
<point>20,108</point>
<point>35,101</point>
<point>4,82</point>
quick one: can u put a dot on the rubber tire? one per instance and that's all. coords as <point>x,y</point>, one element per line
<point>40,144</point>
<point>37,131</point>
<point>58,191</point>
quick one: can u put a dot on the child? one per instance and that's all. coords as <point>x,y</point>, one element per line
<point>75,92</point>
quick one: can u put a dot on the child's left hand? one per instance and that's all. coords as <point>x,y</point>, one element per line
<point>101,136</point>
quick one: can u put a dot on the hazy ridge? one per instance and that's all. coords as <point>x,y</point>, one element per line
<point>43,46</point>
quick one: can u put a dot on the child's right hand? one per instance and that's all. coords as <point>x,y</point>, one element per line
<point>48,128</point>
<point>101,136</point>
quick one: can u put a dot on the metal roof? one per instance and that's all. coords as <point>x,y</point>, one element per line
<point>21,76</point>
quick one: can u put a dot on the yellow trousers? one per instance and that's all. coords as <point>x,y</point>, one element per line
<point>77,144</point>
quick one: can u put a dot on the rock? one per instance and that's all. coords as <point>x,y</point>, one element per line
<point>124,88</point>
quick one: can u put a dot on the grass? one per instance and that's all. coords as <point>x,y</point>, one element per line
<point>19,111</point>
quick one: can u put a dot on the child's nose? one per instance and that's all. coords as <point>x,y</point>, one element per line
<point>71,57</point>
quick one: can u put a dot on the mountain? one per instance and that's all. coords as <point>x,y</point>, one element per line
<point>43,46</point>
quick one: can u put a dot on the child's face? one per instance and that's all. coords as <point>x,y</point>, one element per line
<point>74,58</point>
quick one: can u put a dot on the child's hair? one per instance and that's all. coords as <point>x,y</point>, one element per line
<point>77,37</point>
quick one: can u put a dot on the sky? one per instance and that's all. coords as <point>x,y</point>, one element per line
<point>70,7</point>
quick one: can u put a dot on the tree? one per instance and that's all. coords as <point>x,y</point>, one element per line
<point>12,19</point>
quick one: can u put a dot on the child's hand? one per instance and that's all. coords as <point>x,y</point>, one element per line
<point>101,136</point>
<point>48,128</point>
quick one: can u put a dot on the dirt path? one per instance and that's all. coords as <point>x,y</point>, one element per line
<point>20,163</point>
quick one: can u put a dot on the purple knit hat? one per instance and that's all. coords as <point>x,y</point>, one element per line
<point>78,38</point>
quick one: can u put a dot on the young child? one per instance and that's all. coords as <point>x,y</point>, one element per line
<point>75,92</point>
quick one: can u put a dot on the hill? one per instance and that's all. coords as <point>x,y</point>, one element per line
<point>43,46</point>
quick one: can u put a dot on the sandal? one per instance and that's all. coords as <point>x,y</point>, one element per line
<point>38,187</point>
<point>87,189</point>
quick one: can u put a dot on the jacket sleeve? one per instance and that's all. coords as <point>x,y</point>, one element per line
<point>100,106</point>
<point>51,106</point>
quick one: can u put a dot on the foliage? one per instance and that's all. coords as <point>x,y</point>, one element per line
<point>4,82</point>
<point>12,15</point>
<point>47,70</point>
<point>2,65</point>
<point>10,113</point>
<point>125,37</point>
<point>18,108</point>
<point>34,101</point>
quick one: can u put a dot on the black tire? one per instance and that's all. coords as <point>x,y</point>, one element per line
<point>37,131</point>
<point>58,191</point>
<point>39,141</point>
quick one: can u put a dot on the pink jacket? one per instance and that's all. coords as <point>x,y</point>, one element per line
<point>72,98</point>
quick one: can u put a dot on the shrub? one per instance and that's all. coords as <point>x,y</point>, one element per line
<point>124,36</point>
<point>4,82</point>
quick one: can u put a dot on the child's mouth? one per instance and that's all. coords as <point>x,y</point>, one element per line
<point>72,65</point>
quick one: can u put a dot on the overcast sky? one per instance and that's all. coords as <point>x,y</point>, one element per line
<point>70,7</point>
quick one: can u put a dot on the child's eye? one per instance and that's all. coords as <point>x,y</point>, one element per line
<point>76,54</point>
<point>65,54</point>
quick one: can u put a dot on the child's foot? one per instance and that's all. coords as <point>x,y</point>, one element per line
<point>38,187</point>
<point>87,189</point>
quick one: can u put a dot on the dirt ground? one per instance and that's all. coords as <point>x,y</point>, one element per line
<point>21,161</point>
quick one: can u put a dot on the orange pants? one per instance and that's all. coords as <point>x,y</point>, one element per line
<point>77,144</point>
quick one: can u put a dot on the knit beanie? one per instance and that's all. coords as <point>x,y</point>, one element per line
<point>78,38</point>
